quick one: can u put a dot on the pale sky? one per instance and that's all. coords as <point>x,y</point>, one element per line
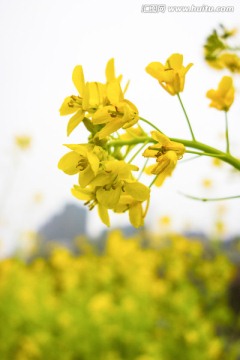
<point>42,41</point>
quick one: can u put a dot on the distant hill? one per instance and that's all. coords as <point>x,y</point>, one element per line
<point>65,226</point>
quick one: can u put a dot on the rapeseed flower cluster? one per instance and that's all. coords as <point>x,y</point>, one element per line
<point>108,177</point>
<point>218,52</point>
<point>167,153</point>
<point>103,105</point>
<point>103,180</point>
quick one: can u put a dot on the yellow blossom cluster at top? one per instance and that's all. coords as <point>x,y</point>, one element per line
<point>103,105</point>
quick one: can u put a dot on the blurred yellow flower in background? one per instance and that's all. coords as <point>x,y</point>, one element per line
<point>23,142</point>
<point>223,97</point>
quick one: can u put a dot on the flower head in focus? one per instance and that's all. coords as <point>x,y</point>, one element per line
<point>170,76</point>
<point>167,153</point>
<point>223,97</point>
<point>107,188</point>
<point>103,105</point>
<point>116,179</point>
<point>134,208</point>
<point>84,159</point>
<point>118,113</point>
<point>89,196</point>
<point>90,96</point>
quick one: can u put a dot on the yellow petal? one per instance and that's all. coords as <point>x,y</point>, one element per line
<point>103,115</point>
<point>225,84</point>
<point>103,179</point>
<point>75,121</point>
<point>93,161</point>
<point>110,128</point>
<point>109,198</point>
<point>68,163</point>
<point>114,92</point>
<point>78,79</point>
<point>159,137</point>
<point>175,61</point>
<point>135,215</point>
<point>65,109</point>
<point>82,194</point>
<point>94,98</point>
<point>86,176</point>
<point>148,170</point>
<point>150,153</point>
<point>137,190</point>
<point>120,168</point>
<point>80,149</point>
<point>154,69</point>
<point>103,214</point>
<point>110,71</point>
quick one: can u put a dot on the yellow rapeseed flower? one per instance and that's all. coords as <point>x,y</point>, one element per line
<point>170,76</point>
<point>116,179</point>
<point>167,153</point>
<point>89,196</point>
<point>223,97</point>
<point>83,159</point>
<point>231,62</point>
<point>107,189</point>
<point>134,208</point>
<point>91,96</point>
<point>103,104</point>
<point>226,60</point>
<point>120,113</point>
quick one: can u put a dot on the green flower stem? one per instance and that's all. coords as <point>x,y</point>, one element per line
<point>231,160</point>
<point>232,48</point>
<point>226,133</point>
<point>144,167</point>
<point>137,152</point>
<point>153,182</point>
<point>203,153</point>
<point>149,123</point>
<point>186,116</point>
<point>211,151</point>
<point>209,199</point>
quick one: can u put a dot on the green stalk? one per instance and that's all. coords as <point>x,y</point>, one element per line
<point>226,133</point>
<point>144,166</point>
<point>153,182</point>
<point>186,116</point>
<point>137,152</point>
<point>149,123</point>
<point>211,151</point>
<point>210,199</point>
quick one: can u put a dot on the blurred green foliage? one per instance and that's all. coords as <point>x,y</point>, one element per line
<point>164,302</point>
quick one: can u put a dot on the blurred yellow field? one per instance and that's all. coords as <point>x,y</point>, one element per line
<point>167,299</point>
